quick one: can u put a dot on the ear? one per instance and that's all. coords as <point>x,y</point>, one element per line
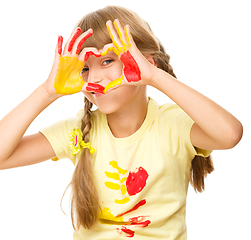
<point>151,60</point>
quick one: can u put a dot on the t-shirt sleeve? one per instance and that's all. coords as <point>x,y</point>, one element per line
<point>58,134</point>
<point>176,126</point>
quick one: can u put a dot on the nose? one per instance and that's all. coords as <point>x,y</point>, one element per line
<point>94,76</point>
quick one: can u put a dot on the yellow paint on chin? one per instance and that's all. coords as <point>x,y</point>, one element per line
<point>68,79</point>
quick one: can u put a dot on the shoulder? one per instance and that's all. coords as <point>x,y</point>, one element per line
<point>169,112</point>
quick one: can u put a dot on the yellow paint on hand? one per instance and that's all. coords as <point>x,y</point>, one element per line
<point>122,201</point>
<point>120,35</point>
<point>112,185</point>
<point>127,37</point>
<point>114,83</point>
<point>114,164</point>
<point>115,50</point>
<point>68,79</point>
<point>113,40</point>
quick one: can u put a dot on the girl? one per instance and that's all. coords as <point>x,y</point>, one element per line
<point>134,158</point>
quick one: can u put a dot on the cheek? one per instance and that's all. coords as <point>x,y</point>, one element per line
<point>115,71</point>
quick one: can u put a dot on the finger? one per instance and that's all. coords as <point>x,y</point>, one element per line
<point>114,36</point>
<point>114,84</point>
<point>108,48</point>
<point>59,46</point>
<point>121,33</point>
<point>73,39</point>
<point>89,53</point>
<point>93,87</point>
<point>81,41</point>
<point>86,52</point>
<point>128,35</point>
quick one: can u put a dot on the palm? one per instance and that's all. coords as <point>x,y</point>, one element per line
<point>65,77</point>
<point>121,46</point>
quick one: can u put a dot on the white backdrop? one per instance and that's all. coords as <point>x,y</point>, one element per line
<point>209,43</point>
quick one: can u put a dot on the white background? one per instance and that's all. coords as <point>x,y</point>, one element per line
<point>209,43</point>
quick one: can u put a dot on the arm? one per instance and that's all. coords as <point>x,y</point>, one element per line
<point>17,150</point>
<point>214,127</point>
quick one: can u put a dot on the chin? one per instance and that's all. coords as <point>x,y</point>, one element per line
<point>109,108</point>
<point>117,99</point>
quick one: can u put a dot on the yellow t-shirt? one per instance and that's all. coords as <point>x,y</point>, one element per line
<point>142,180</point>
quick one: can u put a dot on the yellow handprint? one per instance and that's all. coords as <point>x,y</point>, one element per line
<point>117,186</point>
<point>68,79</point>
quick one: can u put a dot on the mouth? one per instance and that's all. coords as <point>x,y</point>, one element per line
<point>95,88</point>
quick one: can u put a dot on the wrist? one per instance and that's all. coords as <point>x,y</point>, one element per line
<point>155,80</point>
<point>47,95</point>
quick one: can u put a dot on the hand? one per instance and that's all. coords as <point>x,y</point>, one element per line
<point>65,77</point>
<point>137,69</point>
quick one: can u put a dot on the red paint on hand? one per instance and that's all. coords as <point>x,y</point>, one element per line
<point>75,36</point>
<point>139,204</point>
<point>131,68</point>
<point>60,43</point>
<point>92,87</point>
<point>87,54</point>
<point>82,41</point>
<point>136,181</point>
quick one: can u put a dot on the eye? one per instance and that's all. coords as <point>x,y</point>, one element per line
<point>85,69</point>
<point>106,62</point>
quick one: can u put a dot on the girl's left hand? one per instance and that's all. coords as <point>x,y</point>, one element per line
<point>137,69</point>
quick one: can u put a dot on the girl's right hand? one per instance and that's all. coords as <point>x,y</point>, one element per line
<point>65,76</point>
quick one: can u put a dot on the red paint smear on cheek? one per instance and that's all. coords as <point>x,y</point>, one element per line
<point>95,88</point>
<point>139,204</point>
<point>131,68</point>
<point>136,181</point>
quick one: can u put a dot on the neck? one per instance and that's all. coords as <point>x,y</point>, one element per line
<point>128,120</point>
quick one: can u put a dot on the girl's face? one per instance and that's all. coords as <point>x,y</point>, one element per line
<point>102,70</point>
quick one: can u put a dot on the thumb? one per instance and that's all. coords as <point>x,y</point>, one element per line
<point>93,87</point>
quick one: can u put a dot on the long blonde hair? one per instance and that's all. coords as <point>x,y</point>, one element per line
<point>85,203</point>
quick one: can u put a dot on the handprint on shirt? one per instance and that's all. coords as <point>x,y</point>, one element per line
<point>129,186</point>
